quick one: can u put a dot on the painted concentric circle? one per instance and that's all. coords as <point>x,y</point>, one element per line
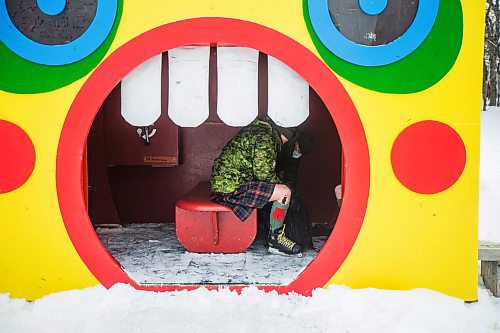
<point>351,19</point>
<point>363,55</point>
<point>19,75</point>
<point>426,63</point>
<point>60,54</point>
<point>35,19</point>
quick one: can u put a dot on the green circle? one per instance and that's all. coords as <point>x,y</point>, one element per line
<point>20,76</point>
<point>421,69</point>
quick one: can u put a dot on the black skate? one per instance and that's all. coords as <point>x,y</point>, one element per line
<point>278,243</point>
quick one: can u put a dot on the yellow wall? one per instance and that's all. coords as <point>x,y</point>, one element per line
<point>407,240</point>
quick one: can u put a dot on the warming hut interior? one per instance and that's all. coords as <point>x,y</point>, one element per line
<point>155,138</point>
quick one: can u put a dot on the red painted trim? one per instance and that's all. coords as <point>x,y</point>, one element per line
<point>213,31</point>
<point>342,176</point>
<point>85,178</point>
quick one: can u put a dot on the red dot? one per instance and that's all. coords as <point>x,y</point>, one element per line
<point>428,157</point>
<point>17,156</point>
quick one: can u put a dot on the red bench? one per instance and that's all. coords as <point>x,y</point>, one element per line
<point>207,227</point>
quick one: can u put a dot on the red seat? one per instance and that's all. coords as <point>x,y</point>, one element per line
<point>207,227</point>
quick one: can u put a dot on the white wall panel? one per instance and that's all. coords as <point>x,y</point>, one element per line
<point>141,93</point>
<point>188,85</point>
<point>237,85</point>
<point>288,95</point>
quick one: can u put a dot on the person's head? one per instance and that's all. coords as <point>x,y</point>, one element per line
<point>293,137</point>
<point>287,134</point>
<point>305,141</point>
<point>299,141</point>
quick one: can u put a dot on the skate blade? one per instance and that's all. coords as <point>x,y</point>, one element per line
<point>276,251</point>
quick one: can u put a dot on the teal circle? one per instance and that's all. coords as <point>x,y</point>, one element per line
<point>51,7</point>
<point>372,7</point>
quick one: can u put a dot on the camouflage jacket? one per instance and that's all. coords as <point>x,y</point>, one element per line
<point>249,156</point>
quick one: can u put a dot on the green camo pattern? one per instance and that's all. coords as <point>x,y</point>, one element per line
<point>249,156</point>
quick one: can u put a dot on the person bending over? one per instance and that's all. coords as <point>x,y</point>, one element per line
<point>244,178</point>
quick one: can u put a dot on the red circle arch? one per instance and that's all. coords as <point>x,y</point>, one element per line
<point>215,31</point>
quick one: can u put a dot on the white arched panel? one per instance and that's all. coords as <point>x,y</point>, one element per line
<point>141,93</point>
<point>188,85</point>
<point>288,95</point>
<point>237,85</point>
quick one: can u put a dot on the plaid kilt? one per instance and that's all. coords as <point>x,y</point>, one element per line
<point>246,198</point>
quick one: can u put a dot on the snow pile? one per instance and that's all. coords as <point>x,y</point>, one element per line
<point>337,309</point>
<point>489,184</point>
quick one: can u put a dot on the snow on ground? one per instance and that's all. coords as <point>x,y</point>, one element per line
<point>337,309</point>
<point>150,253</point>
<point>489,184</point>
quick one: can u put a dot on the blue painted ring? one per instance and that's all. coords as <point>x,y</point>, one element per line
<point>379,55</point>
<point>54,55</point>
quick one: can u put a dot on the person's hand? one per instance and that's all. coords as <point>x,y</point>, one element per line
<point>338,192</point>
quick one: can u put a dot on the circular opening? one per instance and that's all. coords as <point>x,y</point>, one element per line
<point>196,32</point>
<point>139,185</point>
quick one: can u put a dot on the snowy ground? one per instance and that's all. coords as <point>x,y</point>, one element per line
<point>337,309</point>
<point>151,254</point>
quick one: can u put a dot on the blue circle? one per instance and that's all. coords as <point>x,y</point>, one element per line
<point>372,7</point>
<point>378,55</point>
<point>51,7</point>
<point>54,55</point>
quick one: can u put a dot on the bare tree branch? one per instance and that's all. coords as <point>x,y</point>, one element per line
<point>491,67</point>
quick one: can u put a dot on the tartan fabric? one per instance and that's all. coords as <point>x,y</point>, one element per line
<point>246,198</point>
